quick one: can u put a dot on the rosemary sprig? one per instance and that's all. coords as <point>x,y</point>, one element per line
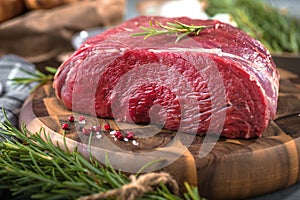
<point>32,166</point>
<point>37,77</point>
<point>180,29</point>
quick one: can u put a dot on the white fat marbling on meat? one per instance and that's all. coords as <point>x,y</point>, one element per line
<point>178,49</point>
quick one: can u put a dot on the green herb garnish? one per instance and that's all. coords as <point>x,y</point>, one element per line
<point>32,166</point>
<point>36,77</point>
<point>178,28</point>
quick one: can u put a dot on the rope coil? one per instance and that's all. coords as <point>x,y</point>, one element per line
<point>137,187</point>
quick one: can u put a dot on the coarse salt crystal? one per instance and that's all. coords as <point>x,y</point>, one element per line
<point>112,132</point>
<point>134,142</point>
<point>99,136</point>
<point>82,122</point>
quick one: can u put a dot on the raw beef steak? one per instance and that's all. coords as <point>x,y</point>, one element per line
<point>221,80</point>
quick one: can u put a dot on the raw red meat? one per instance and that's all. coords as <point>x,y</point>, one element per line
<point>221,80</point>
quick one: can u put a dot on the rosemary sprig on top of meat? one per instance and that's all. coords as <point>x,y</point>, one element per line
<point>180,29</point>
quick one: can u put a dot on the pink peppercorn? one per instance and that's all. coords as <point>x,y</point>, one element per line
<point>81,118</point>
<point>106,127</point>
<point>65,126</point>
<point>118,135</point>
<point>71,118</point>
<point>86,131</point>
<point>130,135</point>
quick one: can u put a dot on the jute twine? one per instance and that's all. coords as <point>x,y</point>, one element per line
<point>137,187</point>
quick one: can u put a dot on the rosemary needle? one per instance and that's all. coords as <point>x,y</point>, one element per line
<point>37,77</point>
<point>178,28</point>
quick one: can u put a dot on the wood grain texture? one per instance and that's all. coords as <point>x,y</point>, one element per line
<point>234,169</point>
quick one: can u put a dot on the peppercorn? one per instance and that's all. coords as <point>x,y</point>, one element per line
<point>71,118</point>
<point>106,127</point>
<point>119,135</point>
<point>65,126</point>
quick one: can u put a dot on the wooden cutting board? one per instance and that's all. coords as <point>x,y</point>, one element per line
<point>234,169</point>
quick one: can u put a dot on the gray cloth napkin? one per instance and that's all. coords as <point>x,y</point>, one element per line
<point>12,96</point>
